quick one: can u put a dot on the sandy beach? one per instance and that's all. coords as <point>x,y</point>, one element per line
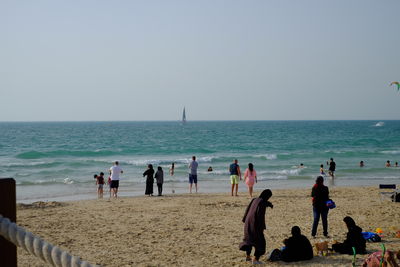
<point>197,229</point>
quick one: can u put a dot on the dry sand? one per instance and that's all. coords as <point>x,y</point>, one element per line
<point>197,229</point>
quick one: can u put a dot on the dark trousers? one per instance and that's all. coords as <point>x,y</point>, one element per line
<point>159,189</point>
<point>323,213</point>
<point>257,253</point>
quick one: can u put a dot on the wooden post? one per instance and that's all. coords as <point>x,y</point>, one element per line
<point>8,209</point>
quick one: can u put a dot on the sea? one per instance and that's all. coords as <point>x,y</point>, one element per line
<point>56,161</point>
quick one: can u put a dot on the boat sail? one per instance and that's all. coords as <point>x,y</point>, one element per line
<point>184,116</point>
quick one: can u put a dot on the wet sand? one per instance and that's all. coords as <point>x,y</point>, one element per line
<point>197,229</point>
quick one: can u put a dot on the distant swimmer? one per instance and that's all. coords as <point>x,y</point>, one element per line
<point>321,169</point>
<point>388,164</point>
<point>396,164</point>
<point>210,169</point>
<point>361,163</point>
<point>332,168</point>
<point>301,165</point>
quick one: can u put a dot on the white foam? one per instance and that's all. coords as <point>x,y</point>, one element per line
<point>267,156</point>
<point>68,181</point>
<point>391,152</point>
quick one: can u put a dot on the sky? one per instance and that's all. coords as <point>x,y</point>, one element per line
<point>84,60</point>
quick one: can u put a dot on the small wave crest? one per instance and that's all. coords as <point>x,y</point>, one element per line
<point>144,162</point>
<point>65,153</point>
<point>391,152</point>
<point>268,156</point>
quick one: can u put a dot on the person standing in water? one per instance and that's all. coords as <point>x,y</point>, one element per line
<point>115,171</point>
<point>235,175</point>
<point>172,169</point>
<point>321,170</point>
<point>100,185</point>
<point>193,174</point>
<point>332,168</point>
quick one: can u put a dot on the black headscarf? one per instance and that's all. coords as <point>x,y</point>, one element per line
<point>266,194</point>
<point>296,231</point>
<point>349,222</point>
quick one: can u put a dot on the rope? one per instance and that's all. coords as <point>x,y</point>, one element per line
<point>37,246</point>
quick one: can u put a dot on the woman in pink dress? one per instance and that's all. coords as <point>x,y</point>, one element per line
<point>250,177</point>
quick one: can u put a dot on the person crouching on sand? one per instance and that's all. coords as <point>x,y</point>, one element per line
<point>250,177</point>
<point>298,247</point>
<point>254,226</point>
<point>354,239</point>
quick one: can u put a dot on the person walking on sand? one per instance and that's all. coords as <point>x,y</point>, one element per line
<point>332,168</point>
<point>100,184</point>
<point>234,171</point>
<point>193,174</point>
<point>159,179</point>
<point>115,172</point>
<point>254,226</point>
<point>149,180</point>
<point>250,176</point>
<point>320,194</point>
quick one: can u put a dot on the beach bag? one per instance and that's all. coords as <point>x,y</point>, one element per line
<point>371,237</point>
<point>330,204</point>
<point>275,255</point>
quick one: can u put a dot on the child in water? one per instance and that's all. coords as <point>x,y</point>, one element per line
<point>321,169</point>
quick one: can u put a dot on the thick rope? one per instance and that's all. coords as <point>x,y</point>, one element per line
<point>53,255</point>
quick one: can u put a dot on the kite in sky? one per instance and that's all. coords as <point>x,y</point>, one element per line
<point>396,83</point>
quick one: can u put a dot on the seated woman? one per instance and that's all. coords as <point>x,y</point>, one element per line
<point>297,247</point>
<point>354,239</point>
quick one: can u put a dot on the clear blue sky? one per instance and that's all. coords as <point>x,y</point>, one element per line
<point>223,60</point>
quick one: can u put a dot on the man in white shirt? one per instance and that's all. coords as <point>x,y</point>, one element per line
<point>115,171</point>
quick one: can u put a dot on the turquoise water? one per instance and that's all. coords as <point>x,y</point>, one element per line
<point>57,160</point>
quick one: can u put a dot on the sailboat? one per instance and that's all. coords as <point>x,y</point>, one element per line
<point>184,116</point>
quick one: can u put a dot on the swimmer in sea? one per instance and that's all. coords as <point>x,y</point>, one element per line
<point>361,163</point>
<point>388,164</point>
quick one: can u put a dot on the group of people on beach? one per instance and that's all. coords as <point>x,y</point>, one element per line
<point>249,177</point>
<point>113,181</point>
<point>297,247</point>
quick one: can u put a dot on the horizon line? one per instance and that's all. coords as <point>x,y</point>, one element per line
<point>179,121</point>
